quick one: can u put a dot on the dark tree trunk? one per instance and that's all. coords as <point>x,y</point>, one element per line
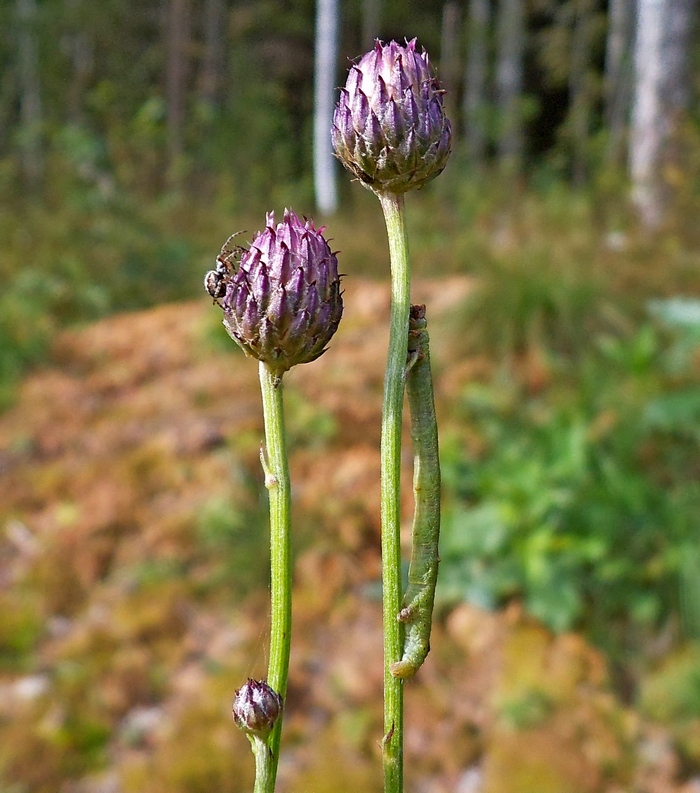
<point>580,89</point>
<point>371,22</point>
<point>618,75</point>
<point>30,109</point>
<point>178,36</point>
<point>213,57</point>
<point>474,105</point>
<point>82,62</point>
<point>449,57</point>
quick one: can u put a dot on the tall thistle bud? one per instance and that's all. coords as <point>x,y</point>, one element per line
<point>282,301</point>
<point>389,127</point>
<point>256,708</point>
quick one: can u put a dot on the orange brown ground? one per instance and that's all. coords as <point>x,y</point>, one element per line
<point>138,638</point>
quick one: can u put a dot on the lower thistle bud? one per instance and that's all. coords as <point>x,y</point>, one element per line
<point>256,708</point>
<point>282,301</point>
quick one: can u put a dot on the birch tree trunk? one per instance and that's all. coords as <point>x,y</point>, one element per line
<point>30,110</point>
<point>449,57</point>
<point>661,96</point>
<point>509,84</point>
<point>371,22</point>
<point>178,34</point>
<point>618,75</point>
<point>647,122</point>
<point>214,52</point>
<point>325,183</point>
<point>474,104</point>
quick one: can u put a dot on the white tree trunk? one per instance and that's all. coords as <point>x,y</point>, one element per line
<point>325,184</point>
<point>30,109</point>
<point>661,96</point>
<point>618,74</point>
<point>474,103</point>
<point>647,120</point>
<point>509,83</point>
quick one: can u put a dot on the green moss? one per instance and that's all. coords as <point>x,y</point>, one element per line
<point>20,628</point>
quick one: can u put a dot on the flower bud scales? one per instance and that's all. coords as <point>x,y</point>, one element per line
<point>389,126</point>
<point>256,708</point>
<point>281,298</point>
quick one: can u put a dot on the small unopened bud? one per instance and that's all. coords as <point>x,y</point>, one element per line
<point>282,301</point>
<point>256,708</point>
<point>389,126</point>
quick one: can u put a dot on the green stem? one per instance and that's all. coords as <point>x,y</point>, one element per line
<point>277,481</point>
<point>392,745</point>
<point>265,768</point>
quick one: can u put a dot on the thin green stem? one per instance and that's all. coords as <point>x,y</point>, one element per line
<point>277,481</point>
<point>265,769</point>
<point>392,745</point>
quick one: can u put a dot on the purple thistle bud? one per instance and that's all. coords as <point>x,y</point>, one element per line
<point>256,708</point>
<point>389,127</point>
<point>282,303</point>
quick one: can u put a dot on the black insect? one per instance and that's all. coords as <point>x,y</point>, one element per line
<point>215,281</point>
<point>215,284</point>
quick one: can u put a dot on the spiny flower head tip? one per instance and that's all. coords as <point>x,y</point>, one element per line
<point>281,297</point>
<point>389,126</point>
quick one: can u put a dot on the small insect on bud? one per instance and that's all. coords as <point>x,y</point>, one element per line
<point>226,262</point>
<point>389,126</point>
<point>256,708</point>
<point>282,302</point>
<point>215,284</point>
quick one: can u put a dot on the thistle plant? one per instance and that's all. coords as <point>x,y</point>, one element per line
<point>282,304</point>
<point>390,131</point>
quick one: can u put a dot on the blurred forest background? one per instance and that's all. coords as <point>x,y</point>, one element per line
<point>559,254</point>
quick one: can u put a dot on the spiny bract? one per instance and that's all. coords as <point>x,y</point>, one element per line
<point>389,126</point>
<point>283,302</point>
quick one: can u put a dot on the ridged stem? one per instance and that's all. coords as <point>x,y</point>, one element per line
<point>265,769</point>
<point>276,469</point>
<point>392,744</point>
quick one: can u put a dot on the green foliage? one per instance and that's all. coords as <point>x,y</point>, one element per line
<point>672,693</point>
<point>233,535</point>
<point>581,498</point>
<point>306,423</point>
<point>527,711</point>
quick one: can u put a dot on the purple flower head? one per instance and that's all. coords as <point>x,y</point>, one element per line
<point>256,708</point>
<point>389,126</point>
<point>282,302</point>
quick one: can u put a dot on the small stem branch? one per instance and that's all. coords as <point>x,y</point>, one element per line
<point>392,745</point>
<point>277,481</point>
